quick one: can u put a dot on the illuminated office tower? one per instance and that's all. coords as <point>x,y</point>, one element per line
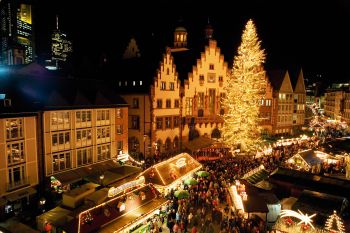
<point>61,47</point>
<point>16,25</point>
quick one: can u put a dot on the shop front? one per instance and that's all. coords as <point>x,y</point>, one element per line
<point>171,173</point>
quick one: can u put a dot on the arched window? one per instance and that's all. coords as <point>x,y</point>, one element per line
<point>216,133</point>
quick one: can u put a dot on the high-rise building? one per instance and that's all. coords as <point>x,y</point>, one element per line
<point>61,47</point>
<point>17,43</point>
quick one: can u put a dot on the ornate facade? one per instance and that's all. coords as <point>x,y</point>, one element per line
<point>203,91</point>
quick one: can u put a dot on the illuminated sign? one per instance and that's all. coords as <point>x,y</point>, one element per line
<point>304,218</point>
<point>181,163</point>
<point>117,190</point>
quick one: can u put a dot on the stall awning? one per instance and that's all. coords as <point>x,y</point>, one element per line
<point>198,143</point>
<point>20,194</point>
<point>68,177</point>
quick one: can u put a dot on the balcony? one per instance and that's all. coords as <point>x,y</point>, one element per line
<point>17,184</point>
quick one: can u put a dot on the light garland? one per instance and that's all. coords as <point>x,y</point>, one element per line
<point>155,167</point>
<point>139,220</point>
<point>304,218</point>
<point>244,91</point>
<point>335,227</point>
<point>81,214</point>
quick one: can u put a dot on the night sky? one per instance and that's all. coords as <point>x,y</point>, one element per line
<point>311,34</point>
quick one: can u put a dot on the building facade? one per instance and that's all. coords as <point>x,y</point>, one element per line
<point>166,107</point>
<point>81,137</point>
<point>139,124</point>
<point>203,91</point>
<point>19,161</point>
<point>334,104</point>
<point>299,103</point>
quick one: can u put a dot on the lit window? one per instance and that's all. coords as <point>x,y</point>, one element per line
<point>177,104</point>
<point>61,161</point>
<point>168,103</point>
<point>15,152</point>
<point>84,156</point>
<point>159,103</point>
<point>163,86</point>
<point>159,122</point>
<point>119,113</point>
<point>103,152</point>
<point>14,129</point>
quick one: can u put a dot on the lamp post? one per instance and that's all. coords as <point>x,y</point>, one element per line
<point>102,176</point>
<point>42,202</point>
<point>144,146</point>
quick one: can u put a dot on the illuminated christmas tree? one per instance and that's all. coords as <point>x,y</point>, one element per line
<point>334,224</point>
<point>245,89</point>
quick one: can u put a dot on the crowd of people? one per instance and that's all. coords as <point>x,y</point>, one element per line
<point>208,207</point>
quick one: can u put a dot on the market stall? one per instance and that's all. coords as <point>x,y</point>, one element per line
<point>170,173</point>
<point>311,160</point>
<point>306,160</point>
<point>245,204</point>
<point>53,219</point>
<point>75,197</point>
<point>120,212</point>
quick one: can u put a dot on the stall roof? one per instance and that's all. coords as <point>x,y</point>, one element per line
<point>255,204</point>
<point>112,172</point>
<point>57,217</point>
<point>310,181</point>
<point>320,203</point>
<point>12,225</point>
<point>98,197</point>
<point>133,216</point>
<point>258,176</point>
<point>310,157</point>
<point>270,198</point>
<point>323,203</point>
<point>168,171</point>
<point>20,194</point>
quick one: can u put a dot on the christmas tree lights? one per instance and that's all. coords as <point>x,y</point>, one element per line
<point>244,91</point>
<point>334,224</point>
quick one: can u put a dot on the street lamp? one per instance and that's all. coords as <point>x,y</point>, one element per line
<point>42,202</point>
<point>102,176</point>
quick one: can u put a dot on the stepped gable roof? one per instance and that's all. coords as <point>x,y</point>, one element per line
<point>184,62</point>
<point>276,78</point>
